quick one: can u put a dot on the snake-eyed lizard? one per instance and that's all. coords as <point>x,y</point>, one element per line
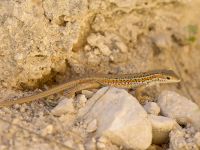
<point>137,81</point>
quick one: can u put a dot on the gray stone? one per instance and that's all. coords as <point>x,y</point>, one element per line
<point>180,108</point>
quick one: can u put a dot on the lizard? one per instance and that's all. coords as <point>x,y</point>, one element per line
<point>137,81</point>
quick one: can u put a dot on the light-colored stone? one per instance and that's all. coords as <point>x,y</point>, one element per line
<point>180,108</point>
<point>100,145</point>
<point>152,108</point>
<point>81,99</point>
<point>103,140</point>
<point>92,126</point>
<point>64,106</point>
<point>120,118</point>
<point>161,126</point>
<point>47,130</point>
<point>87,93</point>
<point>69,143</point>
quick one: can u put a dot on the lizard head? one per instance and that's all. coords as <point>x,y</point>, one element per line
<point>168,76</point>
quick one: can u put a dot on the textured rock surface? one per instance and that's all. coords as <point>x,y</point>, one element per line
<point>123,120</point>
<point>161,127</point>
<point>183,139</point>
<point>180,108</point>
<point>36,38</point>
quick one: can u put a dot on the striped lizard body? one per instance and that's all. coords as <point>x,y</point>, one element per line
<point>133,81</point>
<point>136,81</point>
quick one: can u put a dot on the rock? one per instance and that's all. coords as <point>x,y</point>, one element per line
<point>197,139</point>
<point>102,140</point>
<point>91,144</point>
<point>81,99</point>
<point>92,126</point>
<point>100,145</point>
<point>88,94</point>
<point>152,108</point>
<point>180,108</point>
<point>161,126</point>
<point>47,130</point>
<point>64,106</point>
<point>103,143</point>
<point>120,118</point>
<point>155,147</point>
<point>182,139</point>
<point>69,143</point>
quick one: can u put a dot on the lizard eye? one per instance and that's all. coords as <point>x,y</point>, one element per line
<point>168,78</point>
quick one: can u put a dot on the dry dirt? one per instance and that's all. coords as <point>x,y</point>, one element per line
<point>46,42</point>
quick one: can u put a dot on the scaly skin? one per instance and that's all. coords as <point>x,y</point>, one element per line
<point>137,81</point>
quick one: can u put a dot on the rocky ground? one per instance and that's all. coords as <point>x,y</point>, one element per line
<point>46,42</point>
<point>110,118</point>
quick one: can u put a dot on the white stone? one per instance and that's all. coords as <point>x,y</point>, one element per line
<point>100,145</point>
<point>69,143</point>
<point>120,118</point>
<point>92,126</point>
<point>64,106</point>
<point>103,140</point>
<point>87,93</point>
<point>81,99</point>
<point>180,108</point>
<point>47,130</point>
<point>161,126</point>
<point>152,108</point>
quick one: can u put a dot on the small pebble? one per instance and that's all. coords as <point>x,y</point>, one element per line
<point>102,139</point>
<point>69,143</point>
<point>81,99</point>
<point>64,106</point>
<point>100,145</point>
<point>92,126</point>
<point>152,108</point>
<point>87,93</point>
<point>47,130</point>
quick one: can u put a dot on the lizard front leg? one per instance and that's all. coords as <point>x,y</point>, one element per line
<point>139,94</point>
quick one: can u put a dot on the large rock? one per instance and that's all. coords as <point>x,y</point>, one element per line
<point>180,108</point>
<point>120,118</point>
